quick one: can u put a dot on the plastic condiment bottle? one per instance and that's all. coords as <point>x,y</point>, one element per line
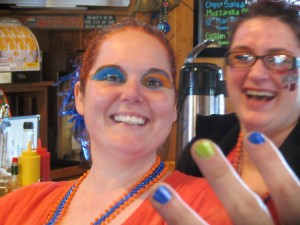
<point>45,161</point>
<point>28,135</point>
<point>29,166</point>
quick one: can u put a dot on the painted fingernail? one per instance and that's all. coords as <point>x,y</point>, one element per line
<point>204,149</point>
<point>162,195</point>
<point>256,138</point>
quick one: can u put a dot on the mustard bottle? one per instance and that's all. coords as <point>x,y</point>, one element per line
<point>29,166</point>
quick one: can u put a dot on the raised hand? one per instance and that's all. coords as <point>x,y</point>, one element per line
<point>241,203</point>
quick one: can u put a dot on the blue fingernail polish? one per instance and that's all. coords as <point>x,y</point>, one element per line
<point>162,195</point>
<point>256,138</point>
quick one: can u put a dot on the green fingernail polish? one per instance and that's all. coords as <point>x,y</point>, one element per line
<point>204,149</point>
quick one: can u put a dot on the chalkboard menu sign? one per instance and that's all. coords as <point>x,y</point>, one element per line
<point>213,20</point>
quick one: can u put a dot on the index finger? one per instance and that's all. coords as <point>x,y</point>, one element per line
<point>241,203</point>
<point>282,183</point>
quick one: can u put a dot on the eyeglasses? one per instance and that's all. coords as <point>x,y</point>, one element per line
<point>274,61</point>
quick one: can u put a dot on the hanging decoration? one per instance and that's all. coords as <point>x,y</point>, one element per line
<point>162,19</point>
<point>68,108</point>
<point>158,7</point>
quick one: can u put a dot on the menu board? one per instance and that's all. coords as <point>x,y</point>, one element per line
<point>214,19</point>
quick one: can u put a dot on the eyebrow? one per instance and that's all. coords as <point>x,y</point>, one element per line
<point>276,50</point>
<point>269,51</point>
<point>240,48</point>
<point>160,71</point>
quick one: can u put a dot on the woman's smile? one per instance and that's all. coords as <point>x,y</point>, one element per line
<point>129,119</point>
<point>260,95</point>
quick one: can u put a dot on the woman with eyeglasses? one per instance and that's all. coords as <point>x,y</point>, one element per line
<point>262,74</point>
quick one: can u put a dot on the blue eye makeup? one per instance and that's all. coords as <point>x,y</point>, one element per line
<point>110,74</point>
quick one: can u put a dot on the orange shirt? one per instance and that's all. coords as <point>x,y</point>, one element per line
<point>32,204</point>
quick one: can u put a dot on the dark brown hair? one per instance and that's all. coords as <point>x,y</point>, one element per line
<point>97,37</point>
<point>283,11</point>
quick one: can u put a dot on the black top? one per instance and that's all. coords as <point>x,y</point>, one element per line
<point>224,131</point>
<point>28,125</point>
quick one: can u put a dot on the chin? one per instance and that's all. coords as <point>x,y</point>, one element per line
<point>128,144</point>
<point>255,121</point>
<point>256,125</point>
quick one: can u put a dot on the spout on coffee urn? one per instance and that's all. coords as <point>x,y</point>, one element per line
<point>197,49</point>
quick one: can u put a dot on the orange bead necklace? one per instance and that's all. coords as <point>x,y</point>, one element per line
<point>237,159</point>
<point>155,173</point>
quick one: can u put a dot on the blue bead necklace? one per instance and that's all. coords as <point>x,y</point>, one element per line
<point>152,176</point>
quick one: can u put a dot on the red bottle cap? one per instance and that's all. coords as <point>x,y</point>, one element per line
<point>15,160</point>
<point>41,149</point>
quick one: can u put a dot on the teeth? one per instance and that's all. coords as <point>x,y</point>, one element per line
<point>132,120</point>
<point>260,94</point>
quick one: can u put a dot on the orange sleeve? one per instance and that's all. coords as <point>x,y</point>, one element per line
<point>32,204</point>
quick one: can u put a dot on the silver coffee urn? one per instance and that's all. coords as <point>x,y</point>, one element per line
<point>202,91</point>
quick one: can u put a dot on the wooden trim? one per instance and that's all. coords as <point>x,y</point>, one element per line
<point>68,173</point>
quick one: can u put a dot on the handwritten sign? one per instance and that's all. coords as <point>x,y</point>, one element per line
<point>216,17</point>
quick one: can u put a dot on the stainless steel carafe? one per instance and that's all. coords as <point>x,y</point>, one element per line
<point>201,91</point>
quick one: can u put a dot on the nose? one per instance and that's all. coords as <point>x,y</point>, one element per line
<point>258,71</point>
<point>132,92</point>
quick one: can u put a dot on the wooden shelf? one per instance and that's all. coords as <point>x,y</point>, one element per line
<point>30,99</point>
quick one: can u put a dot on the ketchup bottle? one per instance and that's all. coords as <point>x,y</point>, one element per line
<point>45,161</point>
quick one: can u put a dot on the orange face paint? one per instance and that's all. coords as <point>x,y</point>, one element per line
<point>157,79</point>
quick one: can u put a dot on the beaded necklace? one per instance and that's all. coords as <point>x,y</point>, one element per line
<point>155,173</point>
<point>238,159</point>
